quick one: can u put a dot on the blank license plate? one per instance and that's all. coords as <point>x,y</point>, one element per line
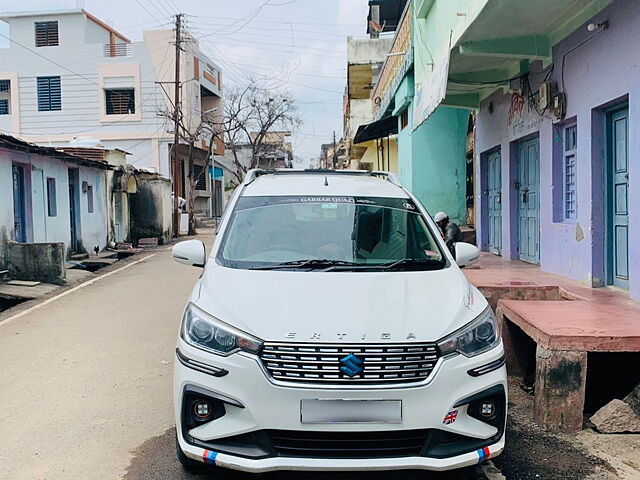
<point>350,411</point>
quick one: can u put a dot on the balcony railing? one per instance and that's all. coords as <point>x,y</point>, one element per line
<point>118,50</point>
<point>395,66</point>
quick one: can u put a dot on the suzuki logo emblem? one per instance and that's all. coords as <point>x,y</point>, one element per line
<point>352,365</point>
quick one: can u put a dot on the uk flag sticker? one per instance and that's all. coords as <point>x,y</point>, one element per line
<point>450,417</point>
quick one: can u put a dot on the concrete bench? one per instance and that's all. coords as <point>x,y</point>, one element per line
<point>564,332</point>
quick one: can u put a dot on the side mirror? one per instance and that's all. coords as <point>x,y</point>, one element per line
<point>190,252</point>
<point>466,254</point>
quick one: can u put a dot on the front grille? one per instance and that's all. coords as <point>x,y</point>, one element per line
<point>321,363</point>
<point>402,443</point>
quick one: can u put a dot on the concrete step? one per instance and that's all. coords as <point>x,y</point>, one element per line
<point>205,222</point>
<point>79,256</point>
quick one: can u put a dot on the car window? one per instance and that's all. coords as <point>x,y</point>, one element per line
<point>361,231</point>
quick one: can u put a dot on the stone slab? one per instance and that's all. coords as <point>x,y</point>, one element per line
<point>576,325</point>
<point>28,293</point>
<point>23,283</point>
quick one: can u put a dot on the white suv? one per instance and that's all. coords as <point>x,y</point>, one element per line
<point>332,329</point>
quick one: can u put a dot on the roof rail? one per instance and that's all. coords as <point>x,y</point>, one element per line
<point>257,172</point>
<point>392,177</point>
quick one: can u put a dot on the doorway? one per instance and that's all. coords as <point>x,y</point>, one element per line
<point>19,203</point>
<point>527,188</point>
<point>74,210</point>
<point>118,214</point>
<point>617,205</point>
<point>494,202</point>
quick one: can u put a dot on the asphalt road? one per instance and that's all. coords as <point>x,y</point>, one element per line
<point>86,388</point>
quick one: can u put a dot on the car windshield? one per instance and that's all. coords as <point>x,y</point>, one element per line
<point>329,233</point>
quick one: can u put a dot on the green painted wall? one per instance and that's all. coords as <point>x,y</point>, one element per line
<point>431,161</point>
<point>405,157</point>
<point>431,158</point>
<point>438,162</point>
<point>402,100</point>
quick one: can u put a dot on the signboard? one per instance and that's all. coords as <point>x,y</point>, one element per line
<point>216,172</point>
<point>432,90</point>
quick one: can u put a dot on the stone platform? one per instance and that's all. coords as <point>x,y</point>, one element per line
<point>566,320</point>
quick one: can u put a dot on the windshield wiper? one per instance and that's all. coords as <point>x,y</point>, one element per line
<point>423,262</point>
<point>312,263</point>
<point>409,261</point>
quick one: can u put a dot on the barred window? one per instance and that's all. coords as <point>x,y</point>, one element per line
<point>120,101</point>
<point>404,118</point>
<point>90,198</point>
<point>570,140</point>
<point>5,86</point>
<point>4,106</point>
<point>52,203</point>
<point>202,181</point>
<point>46,34</point>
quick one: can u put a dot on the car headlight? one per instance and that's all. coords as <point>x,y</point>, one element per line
<point>208,333</point>
<point>473,339</point>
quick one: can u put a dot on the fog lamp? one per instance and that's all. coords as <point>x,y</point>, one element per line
<point>487,409</point>
<point>201,409</point>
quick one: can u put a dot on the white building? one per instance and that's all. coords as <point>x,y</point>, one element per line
<point>51,196</point>
<point>67,74</point>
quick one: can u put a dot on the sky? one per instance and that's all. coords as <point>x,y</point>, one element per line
<point>296,45</point>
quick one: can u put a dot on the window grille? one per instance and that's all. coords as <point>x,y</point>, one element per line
<point>120,102</point>
<point>90,198</point>
<point>46,34</point>
<point>202,181</point>
<point>52,204</point>
<point>570,141</point>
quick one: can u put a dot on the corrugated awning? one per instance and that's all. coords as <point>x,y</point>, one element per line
<point>381,128</point>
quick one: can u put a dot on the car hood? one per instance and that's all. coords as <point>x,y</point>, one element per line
<point>347,307</point>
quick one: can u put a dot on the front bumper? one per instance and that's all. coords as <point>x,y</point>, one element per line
<point>255,406</point>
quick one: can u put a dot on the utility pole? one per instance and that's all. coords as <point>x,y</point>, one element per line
<point>335,154</point>
<point>176,136</point>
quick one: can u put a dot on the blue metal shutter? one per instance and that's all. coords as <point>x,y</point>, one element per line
<point>49,94</point>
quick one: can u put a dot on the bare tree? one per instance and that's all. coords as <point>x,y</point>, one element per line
<point>251,114</point>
